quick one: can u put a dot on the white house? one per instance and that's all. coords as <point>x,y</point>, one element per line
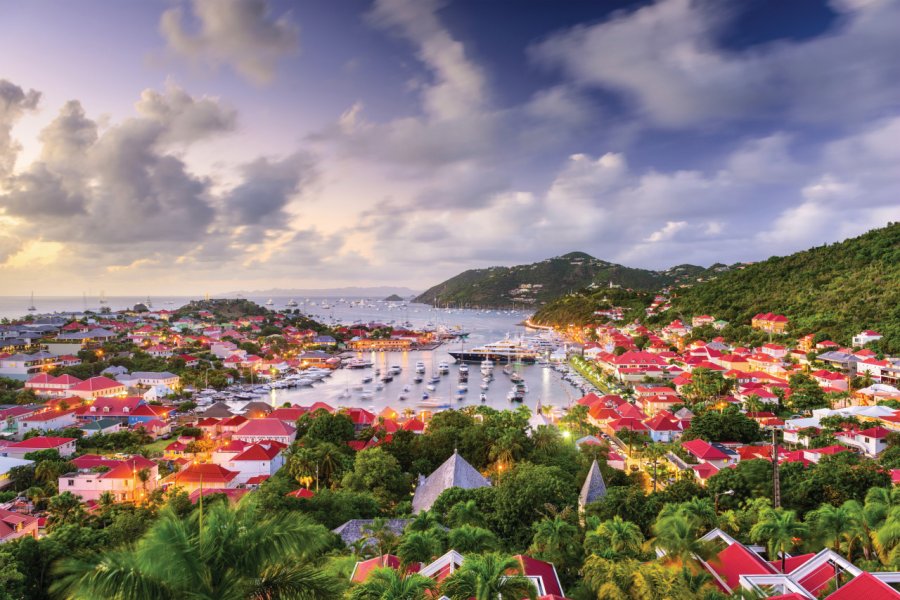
<point>48,420</point>
<point>872,441</point>
<point>865,337</point>
<point>258,459</point>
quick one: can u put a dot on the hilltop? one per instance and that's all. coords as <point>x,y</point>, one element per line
<point>835,290</point>
<point>540,282</point>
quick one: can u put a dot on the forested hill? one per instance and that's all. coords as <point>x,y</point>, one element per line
<point>540,282</point>
<point>837,290</point>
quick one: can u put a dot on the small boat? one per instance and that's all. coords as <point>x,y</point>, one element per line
<point>420,367</point>
<point>387,378</point>
<point>463,368</point>
<point>487,366</point>
<point>443,368</point>
<point>358,363</point>
<point>406,388</point>
<point>367,379</point>
<point>379,387</point>
<point>483,397</point>
<point>485,386</point>
<point>270,302</point>
<point>425,396</point>
<point>292,303</point>
<point>430,387</point>
<point>396,369</point>
<point>462,388</point>
<point>418,379</point>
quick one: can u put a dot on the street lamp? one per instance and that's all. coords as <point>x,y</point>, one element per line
<point>716,498</point>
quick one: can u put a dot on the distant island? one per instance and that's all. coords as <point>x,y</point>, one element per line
<point>393,298</point>
<point>538,283</point>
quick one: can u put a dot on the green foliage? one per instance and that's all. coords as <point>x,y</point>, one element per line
<point>377,472</point>
<point>522,493</point>
<point>729,425</point>
<point>557,276</point>
<point>234,553</point>
<point>834,290</point>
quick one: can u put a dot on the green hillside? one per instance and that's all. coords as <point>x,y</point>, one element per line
<point>541,282</point>
<point>837,290</point>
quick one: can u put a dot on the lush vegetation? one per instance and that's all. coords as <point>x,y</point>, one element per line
<point>834,291</point>
<point>555,276</point>
<point>277,546</point>
<point>578,308</point>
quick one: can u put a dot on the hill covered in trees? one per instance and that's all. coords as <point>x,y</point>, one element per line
<point>835,290</point>
<point>541,282</point>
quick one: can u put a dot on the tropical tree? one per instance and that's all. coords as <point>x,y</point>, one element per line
<point>555,539</point>
<point>615,536</point>
<point>425,520</point>
<point>391,584</point>
<point>781,530</point>
<point>505,449</point>
<point>419,546</point>
<point>466,513</point>
<point>834,523</point>
<point>488,577</point>
<point>677,536</point>
<point>223,553</point>
<point>469,539</point>
<point>380,531</point>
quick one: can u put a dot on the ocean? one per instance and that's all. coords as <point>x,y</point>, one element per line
<point>544,384</point>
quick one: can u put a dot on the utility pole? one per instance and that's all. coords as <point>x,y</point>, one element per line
<point>776,482</point>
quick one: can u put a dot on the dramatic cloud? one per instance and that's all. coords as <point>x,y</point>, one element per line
<point>666,59</point>
<point>239,33</point>
<point>125,201</point>
<point>14,102</point>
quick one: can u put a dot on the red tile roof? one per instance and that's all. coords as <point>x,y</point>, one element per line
<point>42,443</point>
<point>865,585</point>
<point>265,427</point>
<point>737,560</point>
<point>205,472</point>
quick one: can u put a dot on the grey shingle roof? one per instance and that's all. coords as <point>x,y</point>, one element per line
<point>218,410</point>
<point>355,529</point>
<point>455,472</point>
<point>594,487</point>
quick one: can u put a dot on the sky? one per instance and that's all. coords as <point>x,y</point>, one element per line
<point>195,146</point>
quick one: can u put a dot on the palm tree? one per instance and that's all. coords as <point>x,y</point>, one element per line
<point>505,449</point>
<point>610,579</point>
<point>701,511</point>
<point>390,584</point>
<point>834,523</point>
<point>488,577</point>
<point>677,536</point>
<point>555,539</point>
<point>380,531</point>
<point>623,538</point>
<point>228,554</point>
<point>466,513</point>
<point>781,530</point>
<point>469,539</point>
<point>424,521</point>
<point>419,546</point>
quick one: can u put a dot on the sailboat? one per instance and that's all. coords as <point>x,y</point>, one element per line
<point>31,306</point>
<point>103,301</point>
<point>270,302</point>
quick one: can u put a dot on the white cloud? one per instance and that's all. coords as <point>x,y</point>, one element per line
<point>665,58</point>
<point>239,33</point>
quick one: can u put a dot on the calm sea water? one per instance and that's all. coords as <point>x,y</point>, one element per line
<point>544,384</point>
